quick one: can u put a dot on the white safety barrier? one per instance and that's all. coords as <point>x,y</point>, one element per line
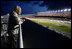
<point>21,39</point>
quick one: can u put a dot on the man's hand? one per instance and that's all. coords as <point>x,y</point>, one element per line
<point>20,22</point>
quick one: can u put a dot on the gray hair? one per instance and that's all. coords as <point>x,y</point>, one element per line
<point>16,8</point>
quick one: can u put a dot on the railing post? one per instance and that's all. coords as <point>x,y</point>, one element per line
<point>20,38</point>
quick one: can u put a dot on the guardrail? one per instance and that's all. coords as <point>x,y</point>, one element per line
<point>20,38</point>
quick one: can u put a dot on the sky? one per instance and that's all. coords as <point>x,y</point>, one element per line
<point>32,7</point>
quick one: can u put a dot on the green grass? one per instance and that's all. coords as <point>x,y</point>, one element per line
<point>63,27</point>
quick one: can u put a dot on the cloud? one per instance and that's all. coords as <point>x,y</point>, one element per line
<point>55,4</point>
<point>33,6</point>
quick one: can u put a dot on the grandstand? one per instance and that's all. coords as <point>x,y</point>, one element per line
<point>62,12</point>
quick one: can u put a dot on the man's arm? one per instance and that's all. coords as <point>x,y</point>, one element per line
<point>18,19</point>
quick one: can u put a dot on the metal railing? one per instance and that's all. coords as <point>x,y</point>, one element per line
<point>20,38</point>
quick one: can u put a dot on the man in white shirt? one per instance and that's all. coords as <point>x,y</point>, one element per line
<point>14,22</point>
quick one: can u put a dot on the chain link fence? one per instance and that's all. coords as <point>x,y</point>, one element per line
<point>4,35</point>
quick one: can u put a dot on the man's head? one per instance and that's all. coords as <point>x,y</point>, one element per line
<point>17,9</point>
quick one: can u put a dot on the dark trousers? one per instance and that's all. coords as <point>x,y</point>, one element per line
<point>12,38</point>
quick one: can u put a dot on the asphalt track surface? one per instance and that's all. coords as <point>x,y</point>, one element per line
<point>37,36</point>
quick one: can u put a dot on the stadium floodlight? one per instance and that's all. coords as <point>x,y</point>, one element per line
<point>8,14</point>
<point>69,9</point>
<point>46,12</point>
<point>65,9</point>
<point>53,11</point>
<point>50,11</point>
<point>41,12</point>
<point>58,10</point>
<point>61,10</point>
